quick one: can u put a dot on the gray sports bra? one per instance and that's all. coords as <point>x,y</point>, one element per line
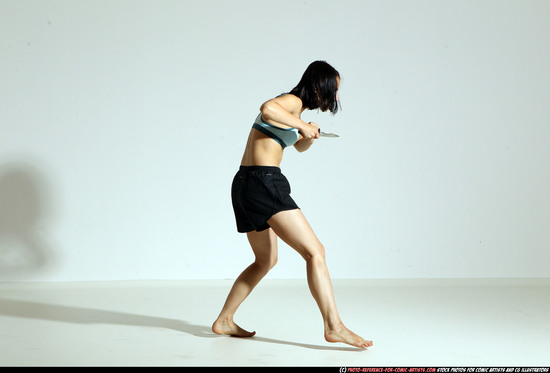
<point>284,136</point>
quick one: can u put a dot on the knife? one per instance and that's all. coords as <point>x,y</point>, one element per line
<point>327,134</point>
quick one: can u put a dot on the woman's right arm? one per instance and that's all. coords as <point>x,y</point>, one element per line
<point>285,110</point>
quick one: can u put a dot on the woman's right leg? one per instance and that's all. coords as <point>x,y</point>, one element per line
<point>293,228</point>
<point>264,246</point>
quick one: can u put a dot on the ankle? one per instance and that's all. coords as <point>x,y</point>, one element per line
<point>224,319</point>
<point>333,324</point>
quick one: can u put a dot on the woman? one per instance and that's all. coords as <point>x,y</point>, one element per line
<point>263,206</point>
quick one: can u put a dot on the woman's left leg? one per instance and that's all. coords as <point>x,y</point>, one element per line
<point>264,246</point>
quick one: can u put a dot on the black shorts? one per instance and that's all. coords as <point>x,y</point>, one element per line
<point>258,193</point>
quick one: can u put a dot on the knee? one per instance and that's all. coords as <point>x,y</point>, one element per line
<point>315,255</point>
<point>271,263</point>
<point>266,263</point>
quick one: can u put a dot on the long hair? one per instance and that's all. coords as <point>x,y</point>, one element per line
<point>318,87</point>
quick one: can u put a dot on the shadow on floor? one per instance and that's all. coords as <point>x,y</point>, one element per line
<point>81,315</point>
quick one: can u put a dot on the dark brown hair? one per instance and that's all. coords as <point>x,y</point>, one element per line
<point>318,87</point>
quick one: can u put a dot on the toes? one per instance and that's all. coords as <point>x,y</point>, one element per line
<point>243,335</point>
<point>367,344</point>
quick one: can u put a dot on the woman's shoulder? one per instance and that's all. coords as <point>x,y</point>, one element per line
<point>290,97</point>
<point>290,102</point>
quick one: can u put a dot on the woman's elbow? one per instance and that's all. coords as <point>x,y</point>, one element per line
<point>303,145</point>
<point>267,109</point>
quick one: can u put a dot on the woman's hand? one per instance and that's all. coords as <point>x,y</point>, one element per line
<point>310,131</point>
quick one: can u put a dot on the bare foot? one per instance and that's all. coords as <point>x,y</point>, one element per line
<point>230,328</point>
<point>344,335</point>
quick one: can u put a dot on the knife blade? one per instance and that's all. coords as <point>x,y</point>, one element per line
<point>328,134</point>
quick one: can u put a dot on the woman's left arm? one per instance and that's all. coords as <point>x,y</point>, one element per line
<point>303,144</point>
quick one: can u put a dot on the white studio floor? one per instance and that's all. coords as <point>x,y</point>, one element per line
<point>167,323</point>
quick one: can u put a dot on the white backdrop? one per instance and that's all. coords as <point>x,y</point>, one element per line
<point>123,122</point>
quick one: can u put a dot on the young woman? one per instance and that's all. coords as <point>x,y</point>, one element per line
<point>264,209</point>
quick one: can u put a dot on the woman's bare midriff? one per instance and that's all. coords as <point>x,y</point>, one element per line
<point>261,150</point>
